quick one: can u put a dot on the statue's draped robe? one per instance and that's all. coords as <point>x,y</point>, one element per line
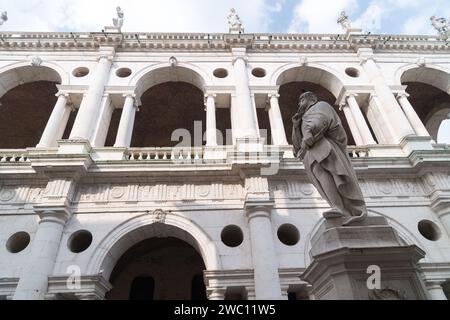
<point>321,130</point>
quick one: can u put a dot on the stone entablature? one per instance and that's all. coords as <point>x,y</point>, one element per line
<point>218,41</point>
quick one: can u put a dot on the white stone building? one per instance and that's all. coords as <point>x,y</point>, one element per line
<point>97,201</point>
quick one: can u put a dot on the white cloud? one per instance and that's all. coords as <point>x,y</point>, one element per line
<point>140,15</point>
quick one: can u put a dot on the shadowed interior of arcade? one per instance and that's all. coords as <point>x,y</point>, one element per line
<point>159,269</point>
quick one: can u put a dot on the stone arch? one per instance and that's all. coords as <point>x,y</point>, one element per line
<point>407,236</point>
<point>165,72</point>
<point>431,74</point>
<point>322,80</point>
<point>137,229</point>
<point>20,73</point>
<point>429,89</point>
<point>314,73</point>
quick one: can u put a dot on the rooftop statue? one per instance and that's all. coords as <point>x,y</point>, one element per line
<point>235,21</point>
<point>3,17</point>
<point>344,21</point>
<point>118,22</point>
<point>321,142</point>
<point>441,25</point>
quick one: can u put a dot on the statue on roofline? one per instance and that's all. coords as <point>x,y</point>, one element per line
<point>441,25</point>
<point>3,17</point>
<point>344,21</point>
<point>118,22</point>
<point>235,22</point>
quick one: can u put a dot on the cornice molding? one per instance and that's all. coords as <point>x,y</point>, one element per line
<point>218,41</point>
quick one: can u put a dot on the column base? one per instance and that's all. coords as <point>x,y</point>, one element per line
<point>343,258</point>
<point>74,146</point>
<point>249,145</point>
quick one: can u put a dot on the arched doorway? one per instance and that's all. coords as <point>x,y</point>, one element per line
<point>160,269</point>
<point>294,81</point>
<point>27,99</point>
<point>427,89</point>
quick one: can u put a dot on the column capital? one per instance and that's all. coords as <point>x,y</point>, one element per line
<point>344,99</point>
<point>216,293</point>
<point>243,58</point>
<point>210,95</point>
<point>365,54</point>
<point>402,95</point>
<point>273,95</point>
<point>105,56</point>
<point>57,216</point>
<point>261,208</point>
<point>129,95</point>
<point>62,93</point>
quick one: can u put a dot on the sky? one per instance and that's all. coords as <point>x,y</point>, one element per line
<point>258,16</point>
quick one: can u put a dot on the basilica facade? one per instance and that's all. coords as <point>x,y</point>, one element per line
<point>160,166</point>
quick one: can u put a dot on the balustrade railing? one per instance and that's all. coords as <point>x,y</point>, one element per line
<point>358,152</point>
<point>164,154</point>
<point>13,156</point>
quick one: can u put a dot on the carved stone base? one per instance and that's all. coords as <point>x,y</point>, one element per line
<point>346,261</point>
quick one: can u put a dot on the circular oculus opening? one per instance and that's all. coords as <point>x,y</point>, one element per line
<point>259,72</point>
<point>232,236</point>
<point>429,230</point>
<point>18,242</point>
<point>79,241</point>
<point>288,234</point>
<point>80,72</point>
<point>123,72</point>
<point>352,72</point>
<point>220,73</point>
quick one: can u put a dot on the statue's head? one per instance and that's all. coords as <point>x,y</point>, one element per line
<point>306,100</point>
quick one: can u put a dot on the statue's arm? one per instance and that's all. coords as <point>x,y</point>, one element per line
<point>314,131</point>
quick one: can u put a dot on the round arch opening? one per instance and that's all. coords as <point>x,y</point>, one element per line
<point>27,97</point>
<point>296,80</point>
<point>427,89</point>
<point>162,263</point>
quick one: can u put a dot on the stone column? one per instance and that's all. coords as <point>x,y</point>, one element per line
<point>33,281</point>
<point>85,123</point>
<point>412,116</point>
<point>265,262</point>
<point>104,120</point>
<point>211,129</point>
<point>126,125</point>
<point>244,114</point>
<point>352,124</point>
<point>217,293</point>
<point>435,290</point>
<point>394,119</point>
<point>360,121</point>
<point>276,122</point>
<point>57,122</point>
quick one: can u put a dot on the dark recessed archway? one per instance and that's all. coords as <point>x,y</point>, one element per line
<point>174,265</point>
<point>431,104</point>
<point>25,111</point>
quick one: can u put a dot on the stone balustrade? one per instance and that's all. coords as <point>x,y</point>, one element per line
<point>13,156</point>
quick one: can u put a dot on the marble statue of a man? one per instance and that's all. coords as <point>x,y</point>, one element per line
<point>3,17</point>
<point>118,21</point>
<point>321,142</point>
<point>344,21</point>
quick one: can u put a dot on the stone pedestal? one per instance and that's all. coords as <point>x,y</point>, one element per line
<point>347,261</point>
